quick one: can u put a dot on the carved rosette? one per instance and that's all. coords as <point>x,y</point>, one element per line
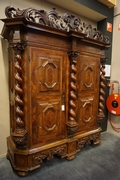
<point>102,92</point>
<point>60,151</point>
<point>19,136</point>
<point>72,125</point>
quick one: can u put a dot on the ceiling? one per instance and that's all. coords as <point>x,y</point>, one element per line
<point>79,9</point>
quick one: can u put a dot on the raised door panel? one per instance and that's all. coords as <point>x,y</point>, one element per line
<point>86,114</point>
<point>48,74</point>
<point>88,92</point>
<point>47,86</point>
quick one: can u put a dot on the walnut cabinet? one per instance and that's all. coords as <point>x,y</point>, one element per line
<point>56,81</point>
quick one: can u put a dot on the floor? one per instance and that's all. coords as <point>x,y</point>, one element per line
<point>100,162</point>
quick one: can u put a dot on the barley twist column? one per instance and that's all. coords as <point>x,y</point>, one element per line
<point>72,125</point>
<point>19,135</point>
<point>102,92</point>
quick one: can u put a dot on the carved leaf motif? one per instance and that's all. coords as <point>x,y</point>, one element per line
<point>95,138</point>
<point>60,150</point>
<point>65,22</point>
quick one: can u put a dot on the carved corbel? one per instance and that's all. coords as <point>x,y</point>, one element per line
<point>72,125</point>
<point>19,135</point>
<point>102,92</point>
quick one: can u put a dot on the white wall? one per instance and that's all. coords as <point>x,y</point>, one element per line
<point>4,88</point>
<point>115,68</point>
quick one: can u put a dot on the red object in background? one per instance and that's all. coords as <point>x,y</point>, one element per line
<point>109,27</point>
<point>118,26</point>
<point>113,104</point>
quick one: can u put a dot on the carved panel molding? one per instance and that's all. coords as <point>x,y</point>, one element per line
<point>86,113</point>
<point>87,76</point>
<point>47,74</point>
<point>65,22</point>
<point>48,117</point>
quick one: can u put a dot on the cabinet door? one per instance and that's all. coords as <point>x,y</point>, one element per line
<point>47,89</point>
<point>88,92</point>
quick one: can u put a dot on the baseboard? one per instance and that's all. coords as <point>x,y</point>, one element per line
<point>2,155</point>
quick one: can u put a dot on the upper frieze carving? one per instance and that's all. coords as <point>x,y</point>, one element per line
<point>64,22</point>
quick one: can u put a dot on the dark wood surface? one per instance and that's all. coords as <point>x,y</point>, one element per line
<point>56,90</point>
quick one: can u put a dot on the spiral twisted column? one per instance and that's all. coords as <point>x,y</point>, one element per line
<point>102,92</point>
<point>19,134</point>
<point>72,125</point>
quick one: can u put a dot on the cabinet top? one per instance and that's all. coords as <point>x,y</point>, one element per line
<point>67,25</point>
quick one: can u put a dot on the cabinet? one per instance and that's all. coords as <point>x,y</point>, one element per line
<point>56,70</point>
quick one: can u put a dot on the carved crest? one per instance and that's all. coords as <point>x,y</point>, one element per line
<point>65,22</point>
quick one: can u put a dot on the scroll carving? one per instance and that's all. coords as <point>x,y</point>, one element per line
<point>95,138</point>
<point>72,125</point>
<point>19,136</point>
<point>60,150</point>
<point>65,22</point>
<point>102,92</point>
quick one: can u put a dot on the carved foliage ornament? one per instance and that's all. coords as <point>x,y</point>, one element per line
<point>60,150</point>
<point>87,140</point>
<point>65,22</point>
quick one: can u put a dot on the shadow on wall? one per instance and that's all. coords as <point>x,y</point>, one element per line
<point>4,96</point>
<point>4,49</point>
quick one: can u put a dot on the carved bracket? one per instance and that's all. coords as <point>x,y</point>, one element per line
<point>72,125</point>
<point>19,136</point>
<point>102,92</point>
<point>65,22</point>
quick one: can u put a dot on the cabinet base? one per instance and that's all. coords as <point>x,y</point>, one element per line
<point>27,160</point>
